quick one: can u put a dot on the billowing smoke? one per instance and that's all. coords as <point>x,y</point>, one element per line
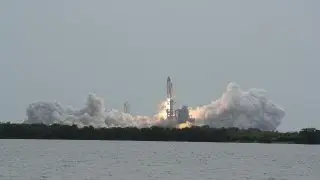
<point>235,108</point>
<point>93,114</point>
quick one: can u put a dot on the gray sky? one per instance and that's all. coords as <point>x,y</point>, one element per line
<point>123,50</point>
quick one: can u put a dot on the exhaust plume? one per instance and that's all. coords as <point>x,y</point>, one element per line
<point>236,108</point>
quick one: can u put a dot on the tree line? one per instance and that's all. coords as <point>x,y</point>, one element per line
<point>192,134</point>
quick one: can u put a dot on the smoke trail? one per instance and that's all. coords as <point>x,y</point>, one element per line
<point>235,108</point>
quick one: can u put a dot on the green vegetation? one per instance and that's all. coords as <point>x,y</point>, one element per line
<point>193,134</point>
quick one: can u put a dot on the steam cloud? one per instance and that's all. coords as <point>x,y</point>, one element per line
<point>236,108</point>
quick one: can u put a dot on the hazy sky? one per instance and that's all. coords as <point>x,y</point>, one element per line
<point>124,50</point>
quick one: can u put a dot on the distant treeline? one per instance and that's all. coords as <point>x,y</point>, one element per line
<point>193,134</point>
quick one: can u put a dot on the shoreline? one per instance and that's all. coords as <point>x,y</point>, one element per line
<point>229,142</point>
<point>157,134</point>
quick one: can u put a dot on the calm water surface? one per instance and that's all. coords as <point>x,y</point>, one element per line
<point>112,160</point>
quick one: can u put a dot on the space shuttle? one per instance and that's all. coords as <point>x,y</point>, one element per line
<point>169,88</point>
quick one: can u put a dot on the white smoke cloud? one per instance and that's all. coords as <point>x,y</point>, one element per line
<point>93,114</point>
<point>235,108</point>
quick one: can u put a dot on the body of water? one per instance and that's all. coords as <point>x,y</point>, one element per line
<point>125,160</point>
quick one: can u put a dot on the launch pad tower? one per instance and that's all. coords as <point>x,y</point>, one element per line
<point>126,107</point>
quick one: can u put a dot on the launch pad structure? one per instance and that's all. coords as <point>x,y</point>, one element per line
<point>179,115</point>
<point>126,107</point>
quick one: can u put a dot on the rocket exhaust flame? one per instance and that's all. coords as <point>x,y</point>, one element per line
<point>236,108</point>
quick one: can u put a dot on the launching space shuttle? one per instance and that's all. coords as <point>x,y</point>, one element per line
<point>179,115</point>
<point>169,88</point>
<point>170,111</point>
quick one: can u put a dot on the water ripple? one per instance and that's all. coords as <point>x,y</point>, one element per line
<point>81,160</point>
